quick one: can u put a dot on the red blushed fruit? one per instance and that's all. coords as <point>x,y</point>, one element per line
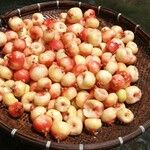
<point>19,45</point>
<point>82,22</point>
<point>5,63</point>
<point>34,87</point>
<point>36,32</point>
<point>27,51</point>
<point>93,66</point>
<point>89,13</point>
<point>91,94</point>
<point>56,45</point>
<point>112,46</point>
<point>78,69</point>
<point>67,63</point>
<point>16,60</point>
<point>16,109</point>
<point>117,82</point>
<point>127,77</point>
<point>8,48</point>
<point>49,22</point>
<point>54,95</point>
<point>63,90</point>
<point>22,75</point>
<point>84,35</point>
<point>122,34</point>
<point>42,124</point>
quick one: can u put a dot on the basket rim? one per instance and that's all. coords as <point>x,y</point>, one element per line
<point>104,145</point>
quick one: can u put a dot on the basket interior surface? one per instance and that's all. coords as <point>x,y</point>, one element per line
<point>141,109</point>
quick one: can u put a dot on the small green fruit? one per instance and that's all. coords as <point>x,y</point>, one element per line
<point>122,95</point>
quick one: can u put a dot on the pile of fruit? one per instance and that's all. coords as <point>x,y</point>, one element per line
<point>68,73</point>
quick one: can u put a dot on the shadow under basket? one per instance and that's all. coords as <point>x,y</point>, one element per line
<point>108,136</point>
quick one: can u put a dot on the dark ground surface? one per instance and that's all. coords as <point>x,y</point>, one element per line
<point>138,11</point>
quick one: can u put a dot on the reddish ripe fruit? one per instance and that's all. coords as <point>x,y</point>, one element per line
<point>34,87</point>
<point>11,35</point>
<point>49,22</point>
<point>82,22</point>
<point>112,46</point>
<point>42,124</point>
<point>93,66</point>
<point>16,109</point>
<point>19,45</point>
<point>67,63</point>
<point>54,94</point>
<point>36,32</point>
<point>84,35</point>
<point>22,75</point>
<point>27,51</point>
<point>78,69</point>
<point>117,82</point>
<point>5,63</point>
<point>56,45</point>
<point>89,13</point>
<point>8,48</point>
<point>16,60</point>
<point>91,94</point>
<point>127,77</point>
<point>106,57</point>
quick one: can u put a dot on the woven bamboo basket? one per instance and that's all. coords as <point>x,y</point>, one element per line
<point>109,136</point>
